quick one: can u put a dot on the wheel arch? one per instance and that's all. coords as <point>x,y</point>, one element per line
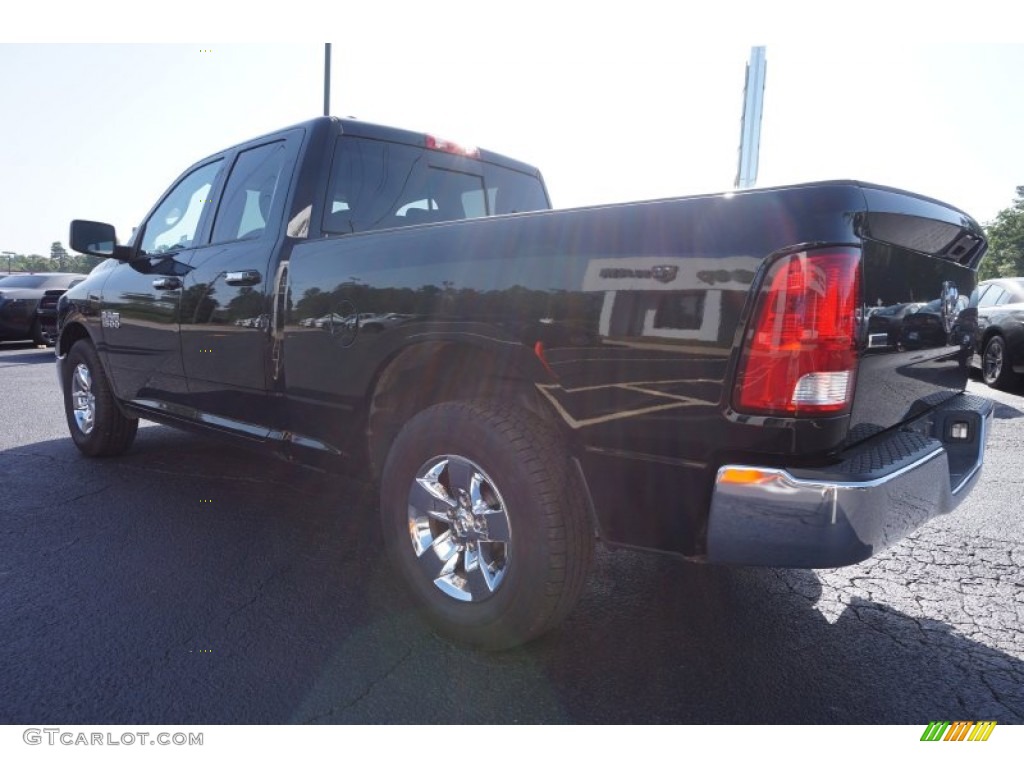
<point>1013,336</point>
<point>992,330</point>
<point>429,372</point>
<point>71,333</point>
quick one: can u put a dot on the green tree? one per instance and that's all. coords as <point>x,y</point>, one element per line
<point>36,263</point>
<point>59,256</point>
<point>59,260</point>
<point>1005,257</point>
<point>82,264</point>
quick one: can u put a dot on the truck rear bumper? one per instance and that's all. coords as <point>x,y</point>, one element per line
<point>878,493</point>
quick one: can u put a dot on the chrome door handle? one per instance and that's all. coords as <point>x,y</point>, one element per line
<point>167,283</point>
<point>244,277</point>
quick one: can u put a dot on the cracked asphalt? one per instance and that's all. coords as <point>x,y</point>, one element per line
<point>189,582</point>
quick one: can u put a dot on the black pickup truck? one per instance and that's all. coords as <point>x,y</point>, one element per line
<point>695,376</point>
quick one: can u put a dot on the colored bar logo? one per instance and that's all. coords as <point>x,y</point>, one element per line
<point>960,730</point>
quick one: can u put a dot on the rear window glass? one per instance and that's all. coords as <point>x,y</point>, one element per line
<point>38,281</point>
<point>22,281</point>
<point>379,184</point>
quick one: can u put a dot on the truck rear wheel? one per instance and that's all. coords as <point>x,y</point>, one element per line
<point>97,425</point>
<point>484,519</point>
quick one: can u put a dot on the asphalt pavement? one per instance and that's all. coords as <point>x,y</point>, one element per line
<point>193,582</point>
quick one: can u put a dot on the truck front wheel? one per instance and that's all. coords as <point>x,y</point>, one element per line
<point>485,522</point>
<point>96,423</point>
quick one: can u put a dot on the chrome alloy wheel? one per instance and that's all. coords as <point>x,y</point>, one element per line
<point>459,528</point>
<point>992,364</point>
<point>82,398</point>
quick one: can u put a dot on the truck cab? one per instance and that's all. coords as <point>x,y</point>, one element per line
<point>199,305</point>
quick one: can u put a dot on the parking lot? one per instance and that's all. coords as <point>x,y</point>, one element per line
<point>189,582</point>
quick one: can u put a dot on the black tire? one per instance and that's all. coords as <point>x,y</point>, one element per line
<point>38,337</point>
<point>996,367</point>
<point>97,425</point>
<point>523,521</point>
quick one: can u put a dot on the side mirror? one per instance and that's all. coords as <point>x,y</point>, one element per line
<point>97,239</point>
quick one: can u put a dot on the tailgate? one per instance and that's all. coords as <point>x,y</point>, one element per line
<point>920,259</point>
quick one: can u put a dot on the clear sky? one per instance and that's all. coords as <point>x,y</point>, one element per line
<point>620,102</point>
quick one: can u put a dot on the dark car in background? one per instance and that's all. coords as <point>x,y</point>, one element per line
<point>999,330</point>
<point>935,324</point>
<point>884,323</point>
<point>46,314</point>
<point>924,328</point>
<point>20,296</point>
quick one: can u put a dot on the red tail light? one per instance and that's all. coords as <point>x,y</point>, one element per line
<point>800,356</point>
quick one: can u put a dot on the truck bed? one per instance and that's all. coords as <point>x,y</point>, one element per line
<point>640,311</point>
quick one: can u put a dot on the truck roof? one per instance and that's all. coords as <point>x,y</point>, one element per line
<point>352,127</point>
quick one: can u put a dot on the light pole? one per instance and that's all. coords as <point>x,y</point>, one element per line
<point>750,124</point>
<point>327,79</point>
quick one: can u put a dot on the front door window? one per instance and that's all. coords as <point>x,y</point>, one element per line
<point>175,222</point>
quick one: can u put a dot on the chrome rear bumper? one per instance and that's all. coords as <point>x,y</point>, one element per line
<point>876,495</point>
